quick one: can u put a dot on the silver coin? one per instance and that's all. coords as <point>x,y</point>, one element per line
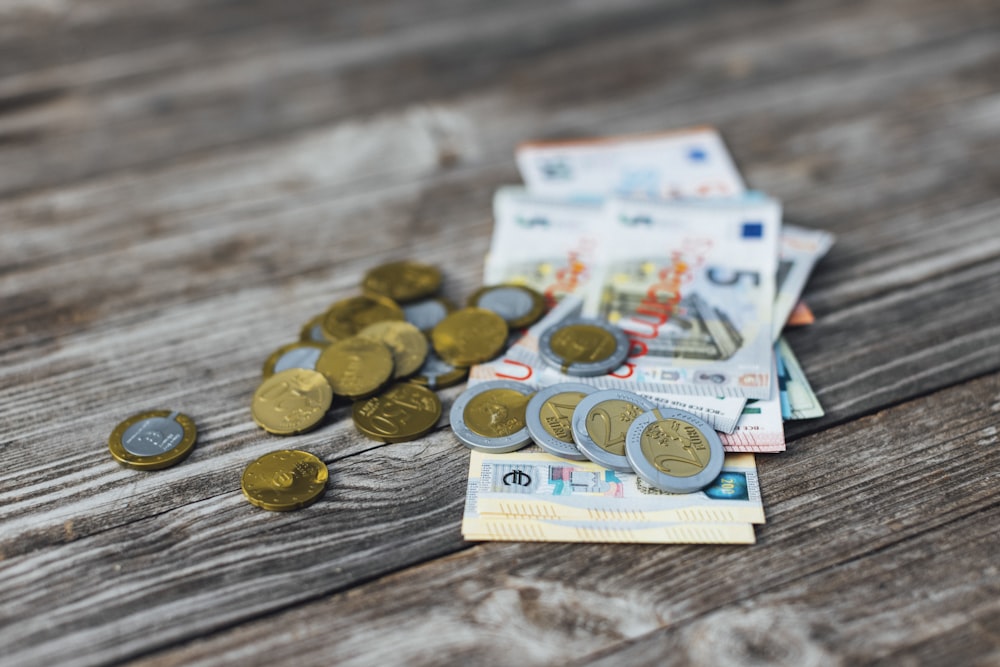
<point>153,436</point>
<point>510,303</point>
<point>601,416</point>
<point>298,357</point>
<point>553,431</point>
<point>495,413</point>
<point>610,360</point>
<point>425,314</point>
<point>690,452</point>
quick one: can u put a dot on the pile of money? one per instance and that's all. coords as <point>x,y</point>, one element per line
<point>668,285</point>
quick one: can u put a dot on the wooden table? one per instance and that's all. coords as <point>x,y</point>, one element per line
<point>183,184</point>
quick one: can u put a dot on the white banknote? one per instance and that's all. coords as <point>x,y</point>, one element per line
<point>760,428</point>
<point>799,250</point>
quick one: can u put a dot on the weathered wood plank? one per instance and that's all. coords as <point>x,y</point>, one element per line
<point>879,536</point>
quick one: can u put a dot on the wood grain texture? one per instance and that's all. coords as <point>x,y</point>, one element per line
<point>182,185</point>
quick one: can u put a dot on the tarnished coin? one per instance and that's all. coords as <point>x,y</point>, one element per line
<point>153,440</point>
<point>292,401</point>
<point>408,345</point>
<point>674,450</point>
<point>356,367</point>
<point>518,305</point>
<point>402,412</point>
<point>349,316</point>
<point>426,314</point>
<point>312,331</point>
<point>469,336</point>
<point>403,281</point>
<point>284,480</point>
<point>584,347</point>
<point>436,373</point>
<point>600,424</point>
<point>549,417</point>
<point>489,417</point>
<point>302,354</point>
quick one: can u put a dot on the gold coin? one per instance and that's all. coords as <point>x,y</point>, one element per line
<point>608,422</point>
<point>349,316</point>
<point>404,411</point>
<point>292,401</point>
<point>407,343</point>
<point>557,412</point>
<point>675,447</point>
<point>469,336</point>
<point>403,281</point>
<point>284,480</point>
<point>301,354</point>
<point>153,440</point>
<point>583,343</point>
<point>356,367</point>
<point>520,306</point>
<point>496,413</point>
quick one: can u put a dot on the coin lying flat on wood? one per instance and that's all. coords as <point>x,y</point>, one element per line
<point>549,417</point>
<point>356,367</point>
<point>584,347</point>
<point>347,317</point>
<point>284,480</point>
<point>301,354</point>
<point>407,343</point>
<point>490,417</point>
<point>403,281</point>
<point>292,401</point>
<point>153,440</point>
<point>600,425</point>
<point>674,450</point>
<point>469,336</point>
<point>405,411</point>
<point>518,305</point>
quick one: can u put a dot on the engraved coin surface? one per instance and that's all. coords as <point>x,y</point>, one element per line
<point>426,314</point>
<point>404,411</point>
<point>356,367</point>
<point>347,317</point>
<point>403,281</point>
<point>584,347</point>
<point>601,422</point>
<point>674,450</point>
<point>469,336</point>
<point>518,305</point>
<point>284,480</point>
<point>490,417</point>
<point>436,373</point>
<point>302,354</point>
<point>153,440</point>
<point>291,401</point>
<point>407,343</point>
<point>549,417</point>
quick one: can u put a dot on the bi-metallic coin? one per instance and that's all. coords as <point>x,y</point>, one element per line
<point>284,480</point>
<point>301,354</point>
<point>407,343</point>
<point>404,411</point>
<point>600,424</point>
<point>436,373</point>
<point>520,306</point>
<point>291,401</point>
<point>347,317</point>
<point>674,450</point>
<point>584,347</point>
<point>490,417</point>
<point>549,417</point>
<point>426,314</point>
<point>312,331</point>
<point>153,440</point>
<point>403,281</point>
<point>469,336</point>
<point>356,367</point>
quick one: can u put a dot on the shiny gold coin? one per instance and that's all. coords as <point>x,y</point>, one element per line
<point>469,336</point>
<point>608,423</point>
<point>404,411</point>
<point>520,306</point>
<point>583,343</point>
<point>497,413</point>
<point>356,367</point>
<point>403,281</point>
<point>301,354</point>
<point>153,440</point>
<point>292,401</point>
<point>284,480</point>
<point>349,316</point>
<point>675,447</point>
<point>407,343</point>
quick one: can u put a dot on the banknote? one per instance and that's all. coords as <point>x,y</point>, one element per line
<point>546,487</point>
<point>761,426</point>
<point>799,249</point>
<point>691,162</point>
<point>496,527</point>
<point>693,286</point>
<point>803,403</point>
<point>543,244</point>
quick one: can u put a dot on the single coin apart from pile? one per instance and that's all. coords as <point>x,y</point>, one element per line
<point>518,305</point>
<point>153,440</point>
<point>356,367</point>
<point>469,336</point>
<point>490,417</point>
<point>301,354</point>
<point>403,281</point>
<point>407,343</point>
<point>347,317</point>
<point>284,480</point>
<point>584,347</point>
<point>600,425</point>
<point>674,450</point>
<point>291,401</point>
<point>549,417</point>
<point>405,411</point>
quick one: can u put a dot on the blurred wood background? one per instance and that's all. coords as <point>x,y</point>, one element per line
<point>183,184</point>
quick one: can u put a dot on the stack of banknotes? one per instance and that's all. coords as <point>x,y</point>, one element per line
<point>658,235</point>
